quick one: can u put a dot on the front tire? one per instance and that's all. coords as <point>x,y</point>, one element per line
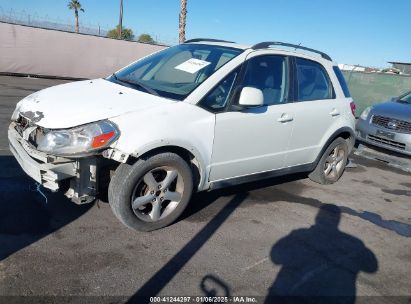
<point>332,163</point>
<point>152,193</point>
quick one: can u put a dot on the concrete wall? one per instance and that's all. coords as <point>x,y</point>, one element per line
<point>29,50</point>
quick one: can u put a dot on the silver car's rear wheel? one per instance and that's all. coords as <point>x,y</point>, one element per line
<point>157,194</point>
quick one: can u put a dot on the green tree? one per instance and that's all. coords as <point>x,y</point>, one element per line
<point>145,38</point>
<point>126,34</point>
<point>76,6</point>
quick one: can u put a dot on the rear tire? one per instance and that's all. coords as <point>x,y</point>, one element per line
<point>332,163</point>
<point>152,193</point>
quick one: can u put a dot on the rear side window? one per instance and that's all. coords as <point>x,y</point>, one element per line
<point>341,80</point>
<point>313,81</point>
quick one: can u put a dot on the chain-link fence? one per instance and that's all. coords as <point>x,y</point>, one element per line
<point>371,88</point>
<point>50,22</point>
<point>68,25</point>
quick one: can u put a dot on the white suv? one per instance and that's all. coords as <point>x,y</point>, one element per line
<point>197,116</point>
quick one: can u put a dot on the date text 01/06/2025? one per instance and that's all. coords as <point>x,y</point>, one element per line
<point>203,299</point>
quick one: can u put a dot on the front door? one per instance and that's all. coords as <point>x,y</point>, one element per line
<point>255,140</point>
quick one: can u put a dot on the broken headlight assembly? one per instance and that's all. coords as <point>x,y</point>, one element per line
<point>78,141</point>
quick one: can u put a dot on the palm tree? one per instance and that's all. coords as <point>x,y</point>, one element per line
<point>76,6</point>
<point>120,22</point>
<point>182,21</point>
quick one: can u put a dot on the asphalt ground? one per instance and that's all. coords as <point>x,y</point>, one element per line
<point>285,235</point>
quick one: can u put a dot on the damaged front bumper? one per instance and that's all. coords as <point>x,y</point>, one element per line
<point>77,177</point>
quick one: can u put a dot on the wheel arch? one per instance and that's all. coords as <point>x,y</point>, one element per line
<point>190,154</point>
<point>345,133</point>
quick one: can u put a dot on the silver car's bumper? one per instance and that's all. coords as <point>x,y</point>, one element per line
<point>382,137</point>
<point>50,171</point>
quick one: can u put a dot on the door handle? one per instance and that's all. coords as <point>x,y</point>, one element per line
<point>285,118</point>
<point>334,113</point>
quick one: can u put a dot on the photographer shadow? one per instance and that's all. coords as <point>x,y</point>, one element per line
<point>320,264</point>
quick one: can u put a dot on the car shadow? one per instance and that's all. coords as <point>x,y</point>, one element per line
<point>203,199</point>
<point>29,213</point>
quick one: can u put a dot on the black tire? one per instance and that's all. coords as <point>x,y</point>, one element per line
<point>319,174</point>
<point>127,178</point>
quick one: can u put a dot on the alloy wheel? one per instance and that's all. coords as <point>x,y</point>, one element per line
<point>157,194</point>
<point>334,163</point>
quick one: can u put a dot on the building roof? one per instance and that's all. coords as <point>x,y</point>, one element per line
<point>396,62</point>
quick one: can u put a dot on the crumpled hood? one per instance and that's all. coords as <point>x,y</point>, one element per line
<point>81,102</point>
<point>393,109</point>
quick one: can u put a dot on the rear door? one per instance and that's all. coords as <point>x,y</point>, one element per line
<point>315,110</point>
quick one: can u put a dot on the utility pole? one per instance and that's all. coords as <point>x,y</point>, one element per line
<point>120,22</point>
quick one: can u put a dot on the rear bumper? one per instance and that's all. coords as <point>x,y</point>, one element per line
<point>50,171</point>
<point>367,132</point>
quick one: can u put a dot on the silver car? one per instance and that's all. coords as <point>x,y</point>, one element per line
<point>387,125</point>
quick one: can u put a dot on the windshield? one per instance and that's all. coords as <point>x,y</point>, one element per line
<point>405,98</point>
<point>176,71</point>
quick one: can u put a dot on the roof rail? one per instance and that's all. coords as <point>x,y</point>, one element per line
<point>206,39</point>
<point>267,44</point>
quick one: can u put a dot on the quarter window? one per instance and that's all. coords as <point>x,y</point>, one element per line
<point>217,99</point>
<point>342,81</point>
<point>313,81</point>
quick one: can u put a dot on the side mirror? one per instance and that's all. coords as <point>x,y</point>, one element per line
<point>251,97</point>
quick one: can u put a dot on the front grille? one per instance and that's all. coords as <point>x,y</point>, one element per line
<point>22,124</point>
<point>386,142</point>
<point>396,124</point>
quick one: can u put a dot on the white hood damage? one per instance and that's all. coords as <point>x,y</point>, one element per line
<point>77,103</point>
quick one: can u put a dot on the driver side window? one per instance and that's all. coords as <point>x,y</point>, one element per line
<point>218,97</point>
<point>268,73</point>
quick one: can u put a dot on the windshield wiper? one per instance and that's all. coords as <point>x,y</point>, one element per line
<point>115,76</point>
<point>136,84</point>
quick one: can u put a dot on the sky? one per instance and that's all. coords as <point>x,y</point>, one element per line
<point>364,32</point>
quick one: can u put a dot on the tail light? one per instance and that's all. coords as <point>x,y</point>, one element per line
<point>353,108</point>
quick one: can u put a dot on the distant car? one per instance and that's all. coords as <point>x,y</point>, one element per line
<point>387,125</point>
